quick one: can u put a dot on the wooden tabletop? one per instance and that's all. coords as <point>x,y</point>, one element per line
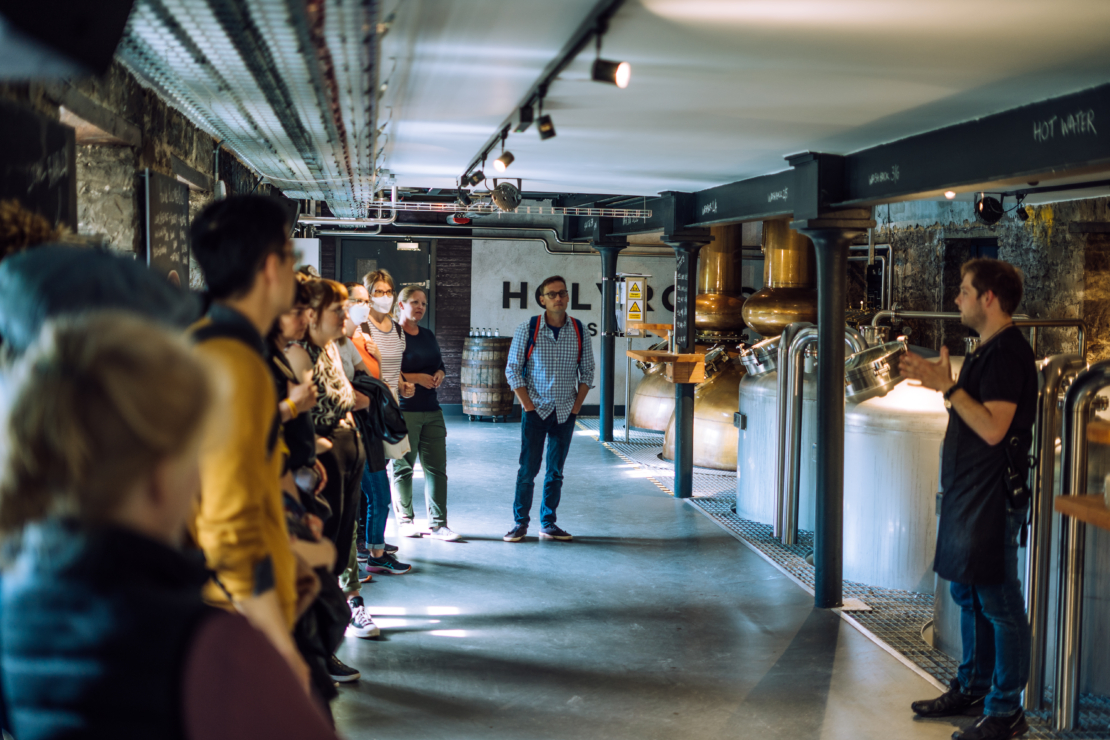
<point>648,355</point>
<point>1089,509</point>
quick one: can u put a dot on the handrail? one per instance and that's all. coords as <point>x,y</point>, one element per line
<point>1054,371</point>
<point>1073,481</point>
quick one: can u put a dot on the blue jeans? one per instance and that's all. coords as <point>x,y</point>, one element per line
<point>995,634</point>
<point>533,432</point>
<point>376,488</point>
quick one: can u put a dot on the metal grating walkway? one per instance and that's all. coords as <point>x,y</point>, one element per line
<point>896,619</point>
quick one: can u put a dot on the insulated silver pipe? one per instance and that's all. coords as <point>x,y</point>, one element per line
<point>1069,614</point>
<point>1054,371</point>
<point>795,380</point>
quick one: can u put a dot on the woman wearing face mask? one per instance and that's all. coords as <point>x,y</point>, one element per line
<point>359,313</point>
<point>422,365</point>
<point>390,341</point>
<point>103,420</point>
<point>336,399</point>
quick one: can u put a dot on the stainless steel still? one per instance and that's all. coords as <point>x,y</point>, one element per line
<point>761,358</point>
<point>875,335</point>
<point>1077,408</point>
<point>874,371</point>
<point>1053,372</point>
<point>791,390</point>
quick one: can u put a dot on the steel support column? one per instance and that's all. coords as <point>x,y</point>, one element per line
<point>831,238</point>
<point>609,255</point>
<point>685,289</point>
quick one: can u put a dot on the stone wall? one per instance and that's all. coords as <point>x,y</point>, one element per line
<point>1065,272</point>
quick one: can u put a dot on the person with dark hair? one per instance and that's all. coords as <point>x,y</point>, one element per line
<point>551,369</point>
<point>243,247</point>
<point>992,405</point>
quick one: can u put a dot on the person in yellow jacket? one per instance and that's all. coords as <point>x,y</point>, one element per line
<point>243,247</point>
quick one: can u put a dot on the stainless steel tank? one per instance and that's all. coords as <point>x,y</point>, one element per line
<point>891,468</point>
<point>757,443</point>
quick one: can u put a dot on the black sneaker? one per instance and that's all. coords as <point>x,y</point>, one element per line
<point>995,728</point>
<point>390,548</point>
<point>554,533</point>
<point>387,564</point>
<point>516,534</point>
<point>949,704</point>
<point>340,672</point>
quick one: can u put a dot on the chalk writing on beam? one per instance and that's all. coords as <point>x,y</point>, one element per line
<point>1079,123</point>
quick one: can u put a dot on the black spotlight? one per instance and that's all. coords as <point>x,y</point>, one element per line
<point>474,178</point>
<point>502,163</point>
<point>464,197</point>
<point>546,127</point>
<point>614,73</point>
<point>1022,214</point>
<point>988,210</point>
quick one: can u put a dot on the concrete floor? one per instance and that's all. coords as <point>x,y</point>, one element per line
<point>653,623</point>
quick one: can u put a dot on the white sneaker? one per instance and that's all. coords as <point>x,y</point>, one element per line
<point>361,624</point>
<point>443,533</point>
<point>407,527</point>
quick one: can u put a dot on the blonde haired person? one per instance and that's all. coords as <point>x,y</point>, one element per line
<point>422,365</point>
<point>388,337</point>
<point>101,423</point>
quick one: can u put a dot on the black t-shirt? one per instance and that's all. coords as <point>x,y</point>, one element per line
<point>972,531</point>
<point>421,355</point>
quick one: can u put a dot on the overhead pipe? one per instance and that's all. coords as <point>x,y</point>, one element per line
<point>1020,320</point>
<point>1073,482</point>
<point>330,221</point>
<point>790,438</point>
<point>1054,372</point>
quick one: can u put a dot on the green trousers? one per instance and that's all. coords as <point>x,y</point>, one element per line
<point>428,438</point>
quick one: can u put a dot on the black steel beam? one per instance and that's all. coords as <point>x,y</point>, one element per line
<point>767,196</point>
<point>1019,145</point>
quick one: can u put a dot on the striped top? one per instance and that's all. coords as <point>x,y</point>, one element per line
<point>392,346</point>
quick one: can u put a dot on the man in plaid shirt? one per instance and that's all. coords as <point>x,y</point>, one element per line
<point>551,369</point>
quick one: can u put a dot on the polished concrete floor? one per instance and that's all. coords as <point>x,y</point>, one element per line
<point>653,623</point>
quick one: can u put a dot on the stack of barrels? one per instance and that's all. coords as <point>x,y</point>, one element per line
<point>485,391</point>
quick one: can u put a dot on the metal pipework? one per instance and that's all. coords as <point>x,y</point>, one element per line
<point>1073,482</point>
<point>1020,321</point>
<point>325,221</point>
<point>791,436</point>
<point>785,340</point>
<point>1054,371</point>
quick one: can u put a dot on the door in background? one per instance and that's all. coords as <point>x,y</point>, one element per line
<point>408,262</point>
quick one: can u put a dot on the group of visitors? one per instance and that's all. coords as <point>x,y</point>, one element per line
<point>260,439</point>
<point>189,509</point>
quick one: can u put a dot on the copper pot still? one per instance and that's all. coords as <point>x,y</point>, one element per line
<point>789,281</point>
<point>720,301</point>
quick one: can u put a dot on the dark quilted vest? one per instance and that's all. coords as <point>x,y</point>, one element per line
<point>94,628</point>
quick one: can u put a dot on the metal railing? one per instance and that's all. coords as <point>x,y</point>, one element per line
<point>1020,321</point>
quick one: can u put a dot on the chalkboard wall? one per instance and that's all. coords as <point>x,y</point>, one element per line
<point>166,227</point>
<point>38,164</point>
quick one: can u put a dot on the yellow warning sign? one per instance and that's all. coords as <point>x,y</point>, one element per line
<point>635,313</point>
<point>634,292</point>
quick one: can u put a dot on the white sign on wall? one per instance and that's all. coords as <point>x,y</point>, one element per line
<point>505,275</point>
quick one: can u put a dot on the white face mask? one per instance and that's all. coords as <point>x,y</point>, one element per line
<point>382,304</point>
<point>359,313</point>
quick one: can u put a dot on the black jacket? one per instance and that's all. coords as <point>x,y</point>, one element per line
<point>382,420</point>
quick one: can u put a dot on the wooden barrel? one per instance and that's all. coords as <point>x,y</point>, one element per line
<point>485,392</point>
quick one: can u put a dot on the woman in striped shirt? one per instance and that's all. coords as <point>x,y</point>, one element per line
<point>390,340</point>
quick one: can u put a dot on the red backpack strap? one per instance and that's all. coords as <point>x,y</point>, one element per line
<point>578,333</point>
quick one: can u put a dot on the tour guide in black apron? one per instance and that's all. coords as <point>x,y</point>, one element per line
<point>991,409</point>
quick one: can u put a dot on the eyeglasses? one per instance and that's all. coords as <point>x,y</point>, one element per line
<point>382,293</point>
<point>556,294</point>
<point>358,302</point>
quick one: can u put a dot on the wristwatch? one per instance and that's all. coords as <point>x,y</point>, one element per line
<point>948,395</point>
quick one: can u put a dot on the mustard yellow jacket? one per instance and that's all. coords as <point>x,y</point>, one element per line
<point>240,518</point>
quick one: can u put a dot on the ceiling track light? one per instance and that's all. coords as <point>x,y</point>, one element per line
<point>474,178</point>
<point>546,127</point>
<point>502,163</point>
<point>606,70</point>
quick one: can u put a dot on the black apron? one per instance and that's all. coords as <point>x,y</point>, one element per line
<point>971,537</point>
